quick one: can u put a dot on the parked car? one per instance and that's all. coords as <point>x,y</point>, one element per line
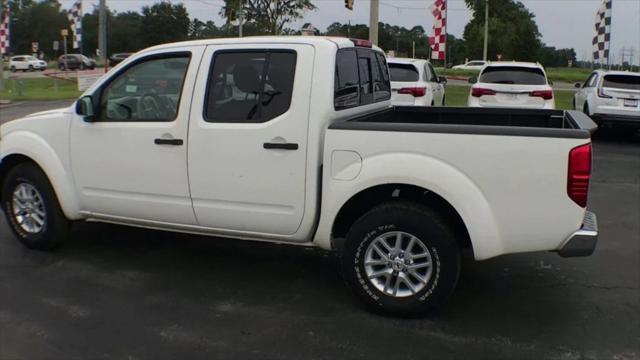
<point>611,97</point>
<point>302,148</point>
<point>471,65</point>
<point>511,84</point>
<point>414,82</point>
<point>117,58</point>
<point>26,63</point>
<point>75,61</point>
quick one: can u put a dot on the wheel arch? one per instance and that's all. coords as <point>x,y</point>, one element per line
<point>23,147</point>
<point>371,197</point>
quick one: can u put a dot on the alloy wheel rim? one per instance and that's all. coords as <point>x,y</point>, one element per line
<point>398,264</point>
<point>28,209</point>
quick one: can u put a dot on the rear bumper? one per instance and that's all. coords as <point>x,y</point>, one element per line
<point>582,242</point>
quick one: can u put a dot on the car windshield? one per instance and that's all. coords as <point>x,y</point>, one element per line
<point>513,75</point>
<point>403,72</point>
<point>628,82</point>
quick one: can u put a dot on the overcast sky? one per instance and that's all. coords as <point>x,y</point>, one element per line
<point>563,23</point>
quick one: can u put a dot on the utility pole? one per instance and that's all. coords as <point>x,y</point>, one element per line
<point>486,30</point>
<point>102,32</point>
<point>240,18</point>
<point>373,21</point>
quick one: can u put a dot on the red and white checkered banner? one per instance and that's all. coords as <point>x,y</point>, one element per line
<point>438,41</point>
<point>5,31</point>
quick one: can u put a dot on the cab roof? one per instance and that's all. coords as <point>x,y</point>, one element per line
<point>398,60</point>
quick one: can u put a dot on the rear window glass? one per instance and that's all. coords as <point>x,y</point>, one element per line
<point>513,75</point>
<point>361,78</point>
<point>628,82</point>
<point>403,72</point>
<point>250,87</point>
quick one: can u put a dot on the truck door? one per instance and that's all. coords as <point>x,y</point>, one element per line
<point>130,162</point>
<point>248,138</point>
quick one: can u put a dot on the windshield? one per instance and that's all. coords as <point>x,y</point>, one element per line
<point>513,75</point>
<point>403,72</point>
<point>628,82</point>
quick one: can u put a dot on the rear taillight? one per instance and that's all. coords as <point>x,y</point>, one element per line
<point>601,94</point>
<point>415,91</point>
<point>477,92</point>
<point>579,174</point>
<point>545,94</point>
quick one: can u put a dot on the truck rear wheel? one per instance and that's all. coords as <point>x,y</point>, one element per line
<point>32,208</point>
<point>401,258</point>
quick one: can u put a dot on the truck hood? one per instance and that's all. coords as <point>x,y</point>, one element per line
<point>59,112</point>
<point>39,123</point>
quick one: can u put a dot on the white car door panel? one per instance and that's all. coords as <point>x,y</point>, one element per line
<point>248,138</point>
<point>131,162</point>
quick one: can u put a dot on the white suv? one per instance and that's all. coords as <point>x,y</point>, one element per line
<point>610,96</point>
<point>26,62</point>
<point>513,85</point>
<point>414,82</point>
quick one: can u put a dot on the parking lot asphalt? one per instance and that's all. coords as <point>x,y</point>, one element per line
<point>118,293</point>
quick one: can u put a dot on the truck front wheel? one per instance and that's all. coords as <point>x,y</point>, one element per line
<point>32,208</point>
<point>401,258</point>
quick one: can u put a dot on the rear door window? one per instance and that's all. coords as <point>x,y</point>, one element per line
<point>513,75</point>
<point>432,73</point>
<point>250,86</point>
<point>361,77</point>
<point>627,82</point>
<point>403,72</point>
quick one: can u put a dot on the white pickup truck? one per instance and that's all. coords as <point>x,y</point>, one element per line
<point>292,140</point>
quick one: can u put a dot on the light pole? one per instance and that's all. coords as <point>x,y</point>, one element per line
<point>373,21</point>
<point>486,30</point>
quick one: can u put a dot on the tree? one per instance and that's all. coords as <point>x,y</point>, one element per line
<point>513,31</point>
<point>163,22</point>
<point>33,21</point>
<point>270,16</point>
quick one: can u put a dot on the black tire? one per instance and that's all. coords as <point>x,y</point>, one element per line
<point>431,229</point>
<point>13,69</point>
<point>31,68</point>
<point>56,226</point>
<point>81,67</point>
<point>585,109</point>
<point>444,100</point>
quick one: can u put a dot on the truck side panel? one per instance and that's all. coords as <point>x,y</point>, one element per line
<point>510,191</point>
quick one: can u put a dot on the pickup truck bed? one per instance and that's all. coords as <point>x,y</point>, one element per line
<point>485,121</point>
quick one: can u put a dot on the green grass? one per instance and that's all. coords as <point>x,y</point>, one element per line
<point>39,89</point>
<point>569,75</point>
<point>457,96</point>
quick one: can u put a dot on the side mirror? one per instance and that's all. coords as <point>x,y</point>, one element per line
<point>577,85</point>
<point>85,108</point>
<point>473,80</point>
<point>550,82</point>
<point>442,80</point>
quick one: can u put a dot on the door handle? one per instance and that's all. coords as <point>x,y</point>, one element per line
<point>283,146</point>
<point>174,142</point>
